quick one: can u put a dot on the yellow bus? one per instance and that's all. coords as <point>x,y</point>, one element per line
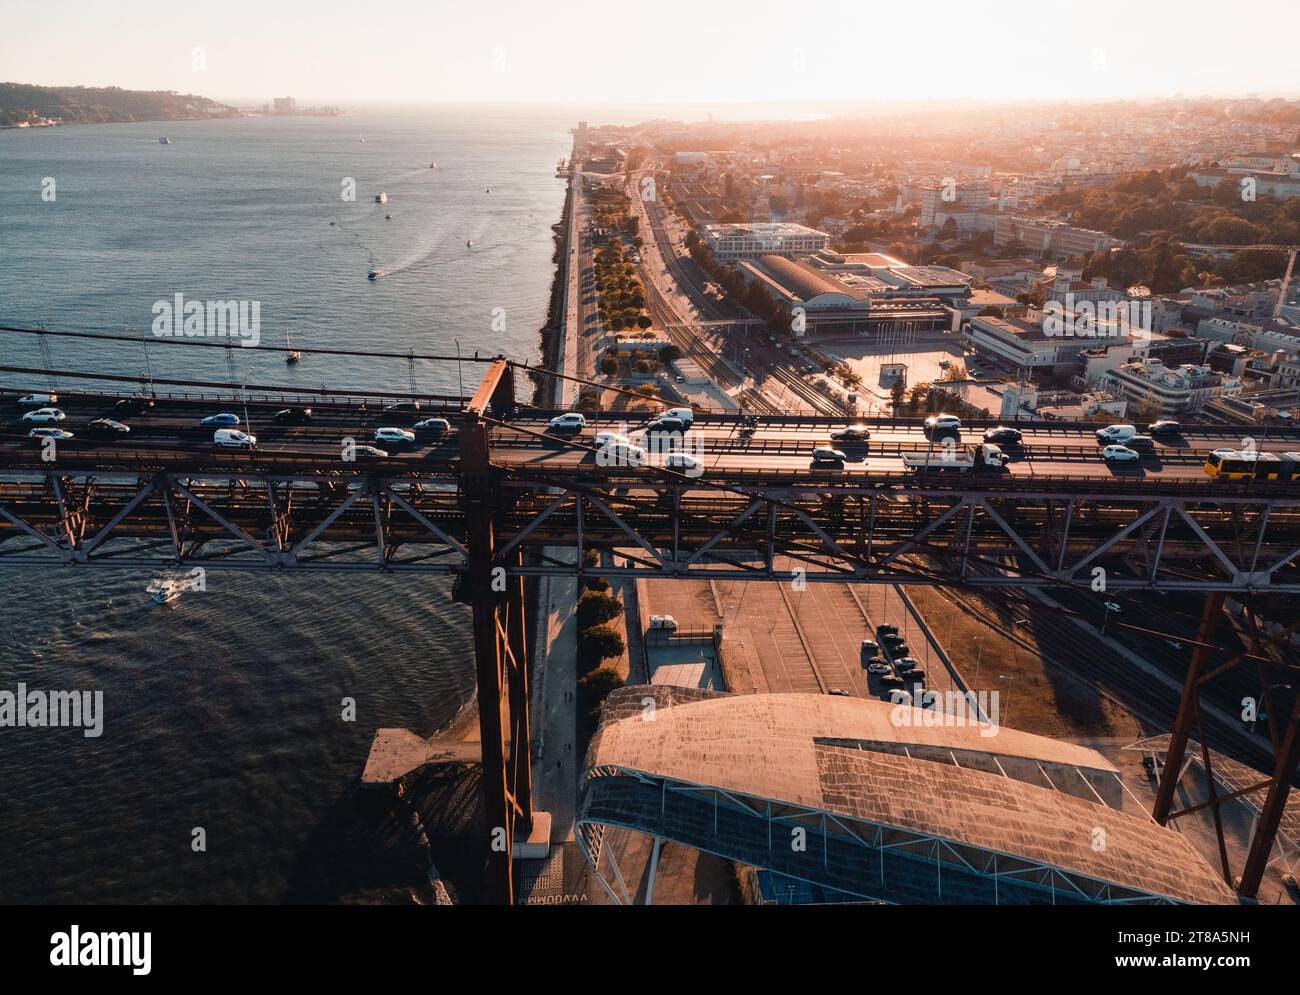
<point>1231,464</point>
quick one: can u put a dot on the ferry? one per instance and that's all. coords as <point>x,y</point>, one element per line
<point>164,140</point>
<point>381,198</point>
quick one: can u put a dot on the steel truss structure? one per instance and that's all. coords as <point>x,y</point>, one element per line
<point>489,523</point>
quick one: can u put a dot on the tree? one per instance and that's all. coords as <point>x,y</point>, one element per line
<point>594,687</point>
<point>600,642</point>
<point>897,393</point>
<point>595,607</point>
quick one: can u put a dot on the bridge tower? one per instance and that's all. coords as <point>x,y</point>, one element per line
<point>500,643</point>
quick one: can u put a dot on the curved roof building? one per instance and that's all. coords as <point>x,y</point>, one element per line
<point>877,801</point>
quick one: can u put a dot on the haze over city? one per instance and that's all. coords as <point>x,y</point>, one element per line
<point>676,52</point>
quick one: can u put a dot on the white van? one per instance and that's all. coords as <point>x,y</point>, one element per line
<point>232,438</point>
<point>685,415</point>
<point>1116,433</point>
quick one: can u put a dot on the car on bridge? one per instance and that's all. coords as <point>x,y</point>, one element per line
<point>1141,442</point>
<point>38,400</point>
<point>570,421</point>
<point>402,407</point>
<point>224,418</point>
<point>1120,454</point>
<point>434,426</point>
<point>233,438</point>
<point>394,436</point>
<point>685,463</point>
<point>942,426</point>
<point>370,452</point>
<point>667,423</point>
<point>133,406</point>
<point>49,433</point>
<point>1116,433</point>
<point>44,416</point>
<point>107,428</point>
<point>1165,426</point>
<point>292,416</point>
<point>851,433</point>
<point>1004,435</point>
<point>825,455</point>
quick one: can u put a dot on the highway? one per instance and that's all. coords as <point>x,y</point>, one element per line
<point>1054,450</point>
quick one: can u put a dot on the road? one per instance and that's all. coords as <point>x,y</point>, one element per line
<point>172,429</point>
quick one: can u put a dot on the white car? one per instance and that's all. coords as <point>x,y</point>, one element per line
<point>399,436</point>
<point>681,414</point>
<point>947,423</point>
<point>38,400</point>
<point>438,426</point>
<point>609,437</point>
<point>571,421</point>
<point>825,454</point>
<point>684,462</point>
<point>620,453</point>
<point>224,418</point>
<point>1119,454</point>
<point>1116,433</point>
<point>232,438</point>
<point>49,433</point>
<point>44,416</point>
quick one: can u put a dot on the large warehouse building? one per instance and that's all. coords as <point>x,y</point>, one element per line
<point>840,794</point>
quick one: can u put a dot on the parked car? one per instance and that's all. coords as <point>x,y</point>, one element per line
<point>665,622</point>
<point>1003,434</point>
<point>44,416</point>
<point>394,436</point>
<point>224,418</point>
<point>107,428</point>
<point>906,663</point>
<point>883,630</point>
<point>292,416</point>
<point>571,421</point>
<point>869,648</point>
<point>839,693</point>
<point>233,438</point>
<point>879,667</point>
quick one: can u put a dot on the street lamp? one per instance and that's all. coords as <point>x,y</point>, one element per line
<point>1006,710</point>
<point>978,656</point>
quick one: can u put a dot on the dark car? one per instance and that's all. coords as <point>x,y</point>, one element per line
<point>292,416</point>
<point>1003,434</point>
<point>898,650</point>
<point>839,693</point>
<point>1166,426</point>
<point>107,428</point>
<point>666,423</point>
<point>892,639</point>
<point>407,407</point>
<point>854,433</point>
<point>869,649</point>
<point>906,663</point>
<point>886,630</point>
<point>1140,442</point>
<point>133,405</point>
<point>914,676</point>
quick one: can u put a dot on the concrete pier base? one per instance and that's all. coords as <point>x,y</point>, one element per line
<point>537,844</point>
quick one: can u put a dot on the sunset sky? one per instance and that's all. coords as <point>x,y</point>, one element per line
<point>695,51</point>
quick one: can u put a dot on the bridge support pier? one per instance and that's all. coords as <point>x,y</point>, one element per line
<point>1286,750</point>
<point>500,647</point>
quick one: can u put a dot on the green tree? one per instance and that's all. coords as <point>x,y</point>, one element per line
<point>595,607</point>
<point>598,643</point>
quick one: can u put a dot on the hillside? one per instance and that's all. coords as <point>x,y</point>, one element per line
<point>22,102</point>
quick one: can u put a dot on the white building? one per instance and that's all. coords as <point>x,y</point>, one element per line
<point>740,241</point>
<point>1149,385</point>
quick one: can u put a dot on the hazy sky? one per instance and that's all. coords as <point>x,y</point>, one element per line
<point>661,52</point>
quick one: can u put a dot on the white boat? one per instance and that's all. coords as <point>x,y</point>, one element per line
<point>434,164</point>
<point>293,355</point>
<point>469,243</point>
<point>381,198</point>
<point>164,140</point>
<point>165,590</point>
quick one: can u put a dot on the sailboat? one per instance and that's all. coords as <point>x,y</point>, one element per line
<point>293,355</point>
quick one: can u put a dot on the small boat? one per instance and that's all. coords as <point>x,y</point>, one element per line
<point>165,590</point>
<point>164,140</point>
<point>388,217</point>
<point>361,139</point>
<point>374,274</point>
<point>381,198</point>
<point>434,164</point>
<point>293,355</point>
<point>469,243</point>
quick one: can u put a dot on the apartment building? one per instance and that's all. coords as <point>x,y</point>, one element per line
<point>748,241</point>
